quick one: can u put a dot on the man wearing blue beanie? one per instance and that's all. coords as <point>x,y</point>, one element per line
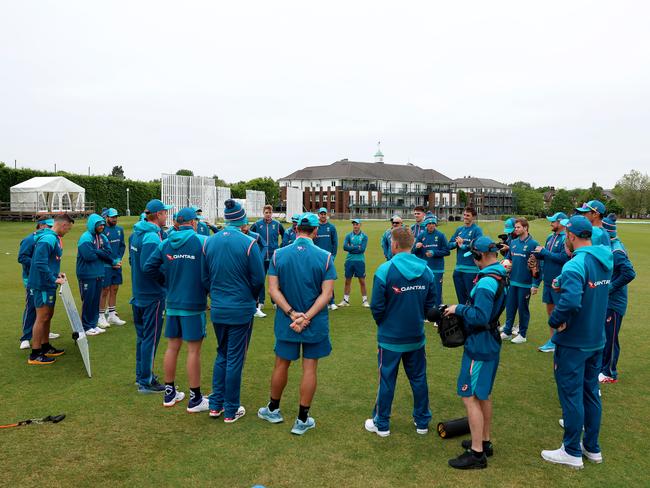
<point>301,279</point>
<point>617,304</point>
<point>233,271</point>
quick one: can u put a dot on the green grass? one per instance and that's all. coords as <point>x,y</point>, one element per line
<point>114,436</point>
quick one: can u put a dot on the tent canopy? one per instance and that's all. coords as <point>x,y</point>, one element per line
<point>47,194</point>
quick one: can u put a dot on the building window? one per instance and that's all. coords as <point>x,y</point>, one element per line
<point>333,184</point>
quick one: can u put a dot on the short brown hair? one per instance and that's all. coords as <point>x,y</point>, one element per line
<point>471,210</point>
<point>268,207</point>
<point>403,237</point>
<point>522,221</point>
<point>419,208</point>
<point>63,217</point>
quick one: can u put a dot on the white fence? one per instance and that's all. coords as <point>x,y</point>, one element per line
<point>223,194</point>
<point>186,191</point>
<point>294,201</point>
<point>254,203</point>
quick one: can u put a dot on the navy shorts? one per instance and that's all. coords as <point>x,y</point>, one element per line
<point>112,277</point>
<point>43,298</point>
<point>476,378</point>
<point>355,269</point>
<point>550,296</point>
<point>187,327</point>
<point>310,350</point>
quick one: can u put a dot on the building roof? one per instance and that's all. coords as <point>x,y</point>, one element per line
<point>356,170</point>
<point>472,182</point>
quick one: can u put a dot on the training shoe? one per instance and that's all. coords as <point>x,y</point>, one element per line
<point>365,304</point>
<point>54,335</point>
<point>515,329</point>
<point>261,306</point>
<point>332,306</point>
<point>259,314</point>
<point>502,327</point>
<point>102,322</point>
<point>198,406</point>
<point>273,416</point>
<point>518,339</point>
<point>300,427</point>
<point>488,449</point>
<point>594,457</point>
<point>172,396</point>
<point>421,431</point>
<point>606,379</point>
<point>467,460</point>
<point>371,427</point>
<point>560,456</point>
<point>154,387</point>
<point>548,347</point>
<point>115,320</point>
<point>40,360</point>
<point>344,303</point>
<point>241,411</point>
<point>53,352</point>
<point>215,413</point>
<point>505,336</point>
<point>25,345</point>
<point>93,331</point>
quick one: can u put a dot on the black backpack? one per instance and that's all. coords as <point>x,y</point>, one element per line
<point>452,328</point>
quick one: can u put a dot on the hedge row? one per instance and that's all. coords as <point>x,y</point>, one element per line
<point>103,191</point>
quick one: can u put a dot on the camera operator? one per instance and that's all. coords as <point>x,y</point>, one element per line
<point>506,237</point>
<point>481,354</point>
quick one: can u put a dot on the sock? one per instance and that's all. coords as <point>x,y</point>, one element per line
<point>169,386</point>
<point>365,299</point>
<point>486,444</point>
<point>111,311</point>
<point>346,298</point>
<point>45,347</point>
<point>195,393</point>
<point>102,312</point>
<point>303,412</point>
<point>35,353</point>
<point>477,454</point>
<point>274,405</point>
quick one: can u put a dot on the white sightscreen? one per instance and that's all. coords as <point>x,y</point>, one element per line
<point>294,201</point>
<point>255,201</point>
<point>223,194</point>
<point>186,191</point>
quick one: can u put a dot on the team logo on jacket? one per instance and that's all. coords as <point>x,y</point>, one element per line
<point>170,257</point>
<point>407,288</point>
<point>464,388</point>
<point>396,290</point>
<point>594,284</point>
<point>300,248</point>
<point>180,256</point>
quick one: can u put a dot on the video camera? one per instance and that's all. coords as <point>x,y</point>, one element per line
<point>451,328</point>
<point>504,241</point>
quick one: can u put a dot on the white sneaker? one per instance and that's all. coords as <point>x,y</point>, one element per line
<point>601,377</point>
<point>371,427</point>
<point>24,345</point>
<point>365,304</point>
<point>241,411</point>
<point>343,303</point>
<point>594,457</point>
<point>260,306</point>
<point>515,329</point>
<point>54,335</point>
<point>561,421</point>
<point>333,306</point>
<point>102,323</point>
<point>259,314</point>
<point>518,339</point>
<point>100,330</point>
<point>560,456</point>
<point>94,331</point>
<point>420,431</point>
<point>505,336</point>
<point>204,406</point>
<point>180,396</point>
<point>115,320</point>
<point>501,327</point>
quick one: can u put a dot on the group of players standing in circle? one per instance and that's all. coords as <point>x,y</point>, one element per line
<point>583,265</point>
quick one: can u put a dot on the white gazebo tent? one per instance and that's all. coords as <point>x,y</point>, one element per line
<point>47,194</point>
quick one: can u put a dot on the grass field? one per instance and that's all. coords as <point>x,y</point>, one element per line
<point>114,436</point>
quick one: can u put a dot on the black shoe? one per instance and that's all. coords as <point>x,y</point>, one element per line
<point>40,360</point>
<point>487,446</point>
<point>467,460</point>
<point>52,352</point>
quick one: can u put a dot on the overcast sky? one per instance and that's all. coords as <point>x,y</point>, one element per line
<point>553,92</point>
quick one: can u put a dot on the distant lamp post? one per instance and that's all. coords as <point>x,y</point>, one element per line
<point>128,210</point>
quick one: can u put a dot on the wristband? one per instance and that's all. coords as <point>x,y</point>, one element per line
<point>289,312</point>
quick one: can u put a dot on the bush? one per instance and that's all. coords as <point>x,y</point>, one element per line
<point>103,191</point>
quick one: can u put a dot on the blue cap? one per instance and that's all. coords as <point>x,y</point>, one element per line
<point>110,212</point>
<point>322,209</point>
<point>430,219</point>
<point>609,224</point>
<point>509,226</point>
<point>185,215</point>
<point>592,205</point>
<point>356,221</point>
<point>294,218</point>
<point>308,220</point>
<point>234,213</point>
<point>482,244</point>
<point>578,225</point>
<point>557,216</point>
<point>156,205</point>
<point>45,221</point>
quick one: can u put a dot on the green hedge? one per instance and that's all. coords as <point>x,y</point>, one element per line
<point>103,191</point>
